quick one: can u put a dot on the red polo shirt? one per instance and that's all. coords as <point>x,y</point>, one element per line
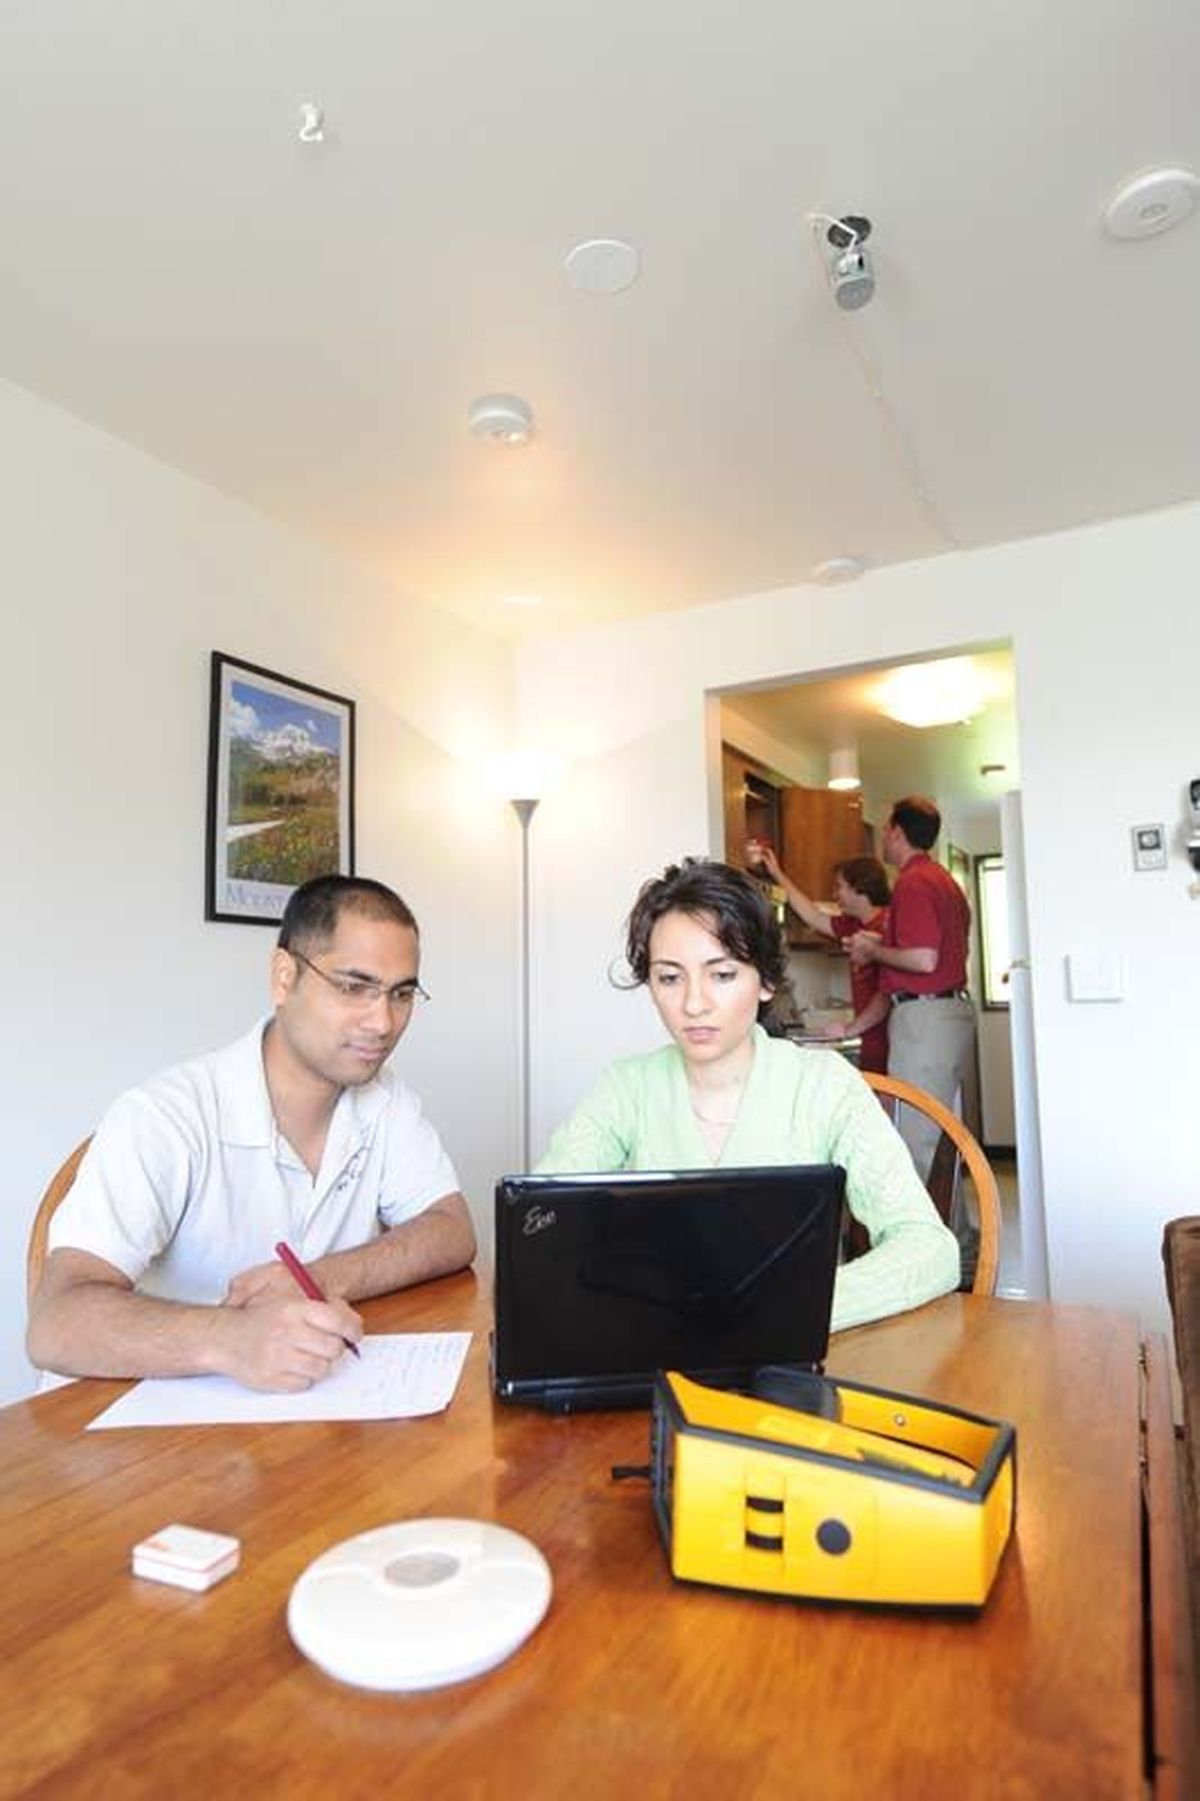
<point>929,910</point>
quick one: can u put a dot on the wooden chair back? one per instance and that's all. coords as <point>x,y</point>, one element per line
<point>60,1184</point>
<point>955,1149</point>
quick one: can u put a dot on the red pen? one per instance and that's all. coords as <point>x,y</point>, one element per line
<point>305,1283</point>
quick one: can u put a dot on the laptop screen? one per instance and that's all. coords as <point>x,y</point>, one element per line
<point>603,1279</point>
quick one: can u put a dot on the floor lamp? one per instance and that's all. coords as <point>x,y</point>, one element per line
<point>525,777</point>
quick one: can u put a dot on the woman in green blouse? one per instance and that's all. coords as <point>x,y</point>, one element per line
<point>723,1093</point>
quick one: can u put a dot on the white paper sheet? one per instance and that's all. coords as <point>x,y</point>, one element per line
<point>398,1376</point>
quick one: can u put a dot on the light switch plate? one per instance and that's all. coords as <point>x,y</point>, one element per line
<point>1095,976</point>
<point>1149,846</point>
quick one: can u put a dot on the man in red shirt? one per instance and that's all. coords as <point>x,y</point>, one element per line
<point>860,889</point>
<point>922,959</point>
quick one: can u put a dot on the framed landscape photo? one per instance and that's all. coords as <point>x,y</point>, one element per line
<point>280,790</point>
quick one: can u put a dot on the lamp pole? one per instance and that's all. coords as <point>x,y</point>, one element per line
<point>524,810</point>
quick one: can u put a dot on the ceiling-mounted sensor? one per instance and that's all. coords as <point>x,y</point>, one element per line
<point>602,266</point>
<point>501,418</point>
<point>1150,203</point>
<point>850,272</point>
<point>848,229</point>
<point>311,129</point>
<point>838,569</point>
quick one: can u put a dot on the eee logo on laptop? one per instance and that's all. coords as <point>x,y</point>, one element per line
<point>537,1221</point>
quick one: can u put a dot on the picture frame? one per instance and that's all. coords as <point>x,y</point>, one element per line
<point>280,790</point>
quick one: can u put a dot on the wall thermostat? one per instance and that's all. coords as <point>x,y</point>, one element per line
<point>1149,847</point>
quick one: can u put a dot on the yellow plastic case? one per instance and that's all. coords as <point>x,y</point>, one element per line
<point>891,1500</point>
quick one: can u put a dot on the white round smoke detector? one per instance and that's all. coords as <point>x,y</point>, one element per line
<point>838,569</point>
<point>1150,203</point>
<point>602,266</point>
<point>501,418</point>
<point>419,1604</point>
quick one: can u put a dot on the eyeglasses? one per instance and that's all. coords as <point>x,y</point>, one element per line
<point>363,991</point>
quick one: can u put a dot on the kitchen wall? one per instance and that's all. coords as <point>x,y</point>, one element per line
<point>119,577</point>
<point>1106,636</point>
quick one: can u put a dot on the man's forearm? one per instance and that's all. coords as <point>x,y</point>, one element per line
<point>873,1014</point>
<point>99,1329</point>
<point>814,917</point>
<point>87,1320</point>
<point>917,959</point>
<point>435,1243</point>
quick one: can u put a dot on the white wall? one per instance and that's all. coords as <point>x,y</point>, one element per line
<point>797,761</point>
<point>1106,635</point>
<point>119,576</point>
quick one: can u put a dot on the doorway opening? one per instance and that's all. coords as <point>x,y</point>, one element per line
<point>783,756</point>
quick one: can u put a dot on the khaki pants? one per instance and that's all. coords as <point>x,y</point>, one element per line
<point>931,1043</point>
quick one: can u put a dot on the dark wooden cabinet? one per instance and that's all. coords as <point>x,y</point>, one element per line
<point>819,828</point>
<point>751,796</point>
<point>812,829</point>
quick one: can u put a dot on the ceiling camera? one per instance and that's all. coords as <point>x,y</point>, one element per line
<point>851,275</point>
<point>853,279</point>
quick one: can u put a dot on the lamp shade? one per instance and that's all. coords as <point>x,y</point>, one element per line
<point>526,774</point>
<point>843,769</point>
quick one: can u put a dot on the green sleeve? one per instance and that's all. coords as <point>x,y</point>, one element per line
<point>598,1135</point>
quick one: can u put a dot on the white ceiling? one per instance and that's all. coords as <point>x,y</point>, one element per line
<point>304,326</point>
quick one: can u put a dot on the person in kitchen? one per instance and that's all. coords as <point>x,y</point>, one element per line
<point>860,889</point>
<point>702,938</point>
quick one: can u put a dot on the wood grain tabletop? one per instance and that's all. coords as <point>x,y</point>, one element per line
<point>634,1684</point>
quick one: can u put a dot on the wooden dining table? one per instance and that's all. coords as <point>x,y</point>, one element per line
<point>1072,1681</point>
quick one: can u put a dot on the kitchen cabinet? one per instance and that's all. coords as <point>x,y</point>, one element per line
<point>818,828</point>
<point>810,828</point>
<point>751,799</point>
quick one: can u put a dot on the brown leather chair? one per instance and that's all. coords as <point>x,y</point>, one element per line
<point>60,1184</point>
<point>956,1149</point>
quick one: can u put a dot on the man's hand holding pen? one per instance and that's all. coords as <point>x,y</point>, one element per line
<point>283,1332</point>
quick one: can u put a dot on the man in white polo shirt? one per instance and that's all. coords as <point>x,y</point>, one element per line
<point>162,1254</point>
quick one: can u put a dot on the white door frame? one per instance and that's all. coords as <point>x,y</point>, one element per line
<point>1024,1055</point>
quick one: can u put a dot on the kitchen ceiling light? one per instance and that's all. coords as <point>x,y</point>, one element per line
<point>501,419</point>
<point>843,770</point>
<point>948,692</point>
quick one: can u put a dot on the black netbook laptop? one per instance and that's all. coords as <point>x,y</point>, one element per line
<point>603,1279</point>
